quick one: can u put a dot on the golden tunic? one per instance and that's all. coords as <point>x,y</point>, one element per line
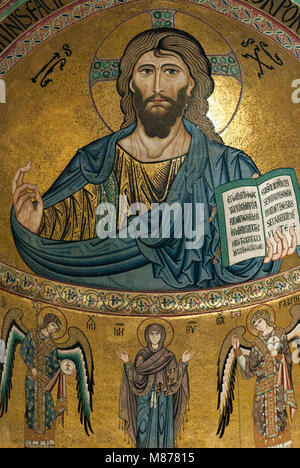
<point>141,182</point>
<point>73,218</point>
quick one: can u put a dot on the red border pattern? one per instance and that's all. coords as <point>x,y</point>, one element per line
<point>80,9</point>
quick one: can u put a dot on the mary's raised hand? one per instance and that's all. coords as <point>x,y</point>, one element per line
<point>123,355</point>
<point>187,356</point>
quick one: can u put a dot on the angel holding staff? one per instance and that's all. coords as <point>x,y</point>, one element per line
<point>269,359</point>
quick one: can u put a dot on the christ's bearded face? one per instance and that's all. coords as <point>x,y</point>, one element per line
<point>161,86</point>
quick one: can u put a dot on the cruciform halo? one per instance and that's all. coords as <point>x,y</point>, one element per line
<point>104,67</point>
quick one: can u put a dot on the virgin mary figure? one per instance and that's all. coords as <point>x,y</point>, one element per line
<point>154,392</point>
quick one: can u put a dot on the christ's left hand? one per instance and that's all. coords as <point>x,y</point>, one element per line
<point>282,247</point>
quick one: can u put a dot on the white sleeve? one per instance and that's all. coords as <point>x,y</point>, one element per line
<point>2,352</point>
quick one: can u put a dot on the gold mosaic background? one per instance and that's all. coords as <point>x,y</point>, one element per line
<point>47,126</point>
<point>200,430</point>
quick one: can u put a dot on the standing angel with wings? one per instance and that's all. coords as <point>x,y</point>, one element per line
<point>48,363</point>
<point>270,361</point>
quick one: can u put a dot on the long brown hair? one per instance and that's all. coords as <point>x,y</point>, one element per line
<point>191,52</point>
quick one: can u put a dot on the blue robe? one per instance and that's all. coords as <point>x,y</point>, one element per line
<point>155,426</point>
<point>38,350</point>
<point>145,264</point>
<point>152,403</point>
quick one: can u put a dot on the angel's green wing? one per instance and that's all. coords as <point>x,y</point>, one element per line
<point>13,334</point>
<point>78,350</point>
<point>227,367</point>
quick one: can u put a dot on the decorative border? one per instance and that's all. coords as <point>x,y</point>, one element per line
<point>5,4</point>
<point>138,303</point>
<point>71,14</point>
<point>109,302</point>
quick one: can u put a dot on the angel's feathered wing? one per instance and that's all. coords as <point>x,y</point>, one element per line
<point>227,364</point>
<point>13,334</point>
<point>77,348</point>
<point>293,330</point>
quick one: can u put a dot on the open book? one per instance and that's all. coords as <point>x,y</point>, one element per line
<point>250,211</point>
